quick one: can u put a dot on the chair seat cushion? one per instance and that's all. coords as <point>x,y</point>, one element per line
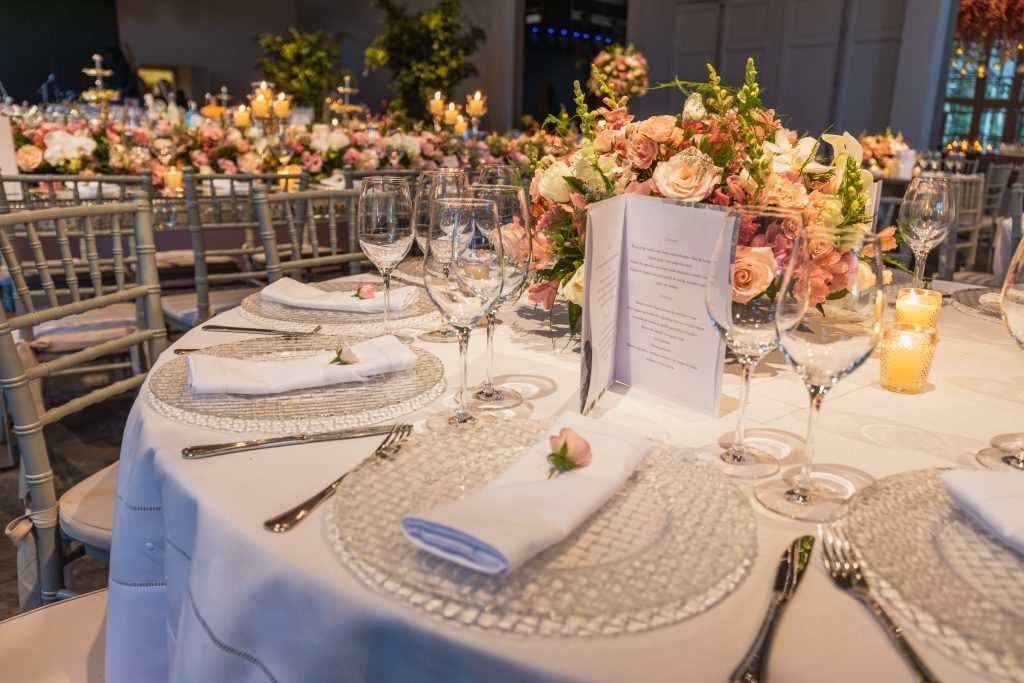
<point>180,309</point>
<point>87,509</point>
<point>60,642</point>
<point>78,331</point>
<point>172,258</point>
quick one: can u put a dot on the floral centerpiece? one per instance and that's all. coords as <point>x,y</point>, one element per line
<point>624,70</point>
<point>882,150</point>
<point>726,148</point>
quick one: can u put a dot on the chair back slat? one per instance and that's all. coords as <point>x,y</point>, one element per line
<point>67,260</point>
<point>53,190</point>
<point>39,265</point>
<point>92,254</point>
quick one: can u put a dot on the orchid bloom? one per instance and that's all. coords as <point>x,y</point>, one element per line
<point>793,158</point>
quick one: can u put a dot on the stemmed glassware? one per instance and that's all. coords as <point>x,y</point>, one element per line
<point>514,224</point>
<point>432,185</point>
<point>463,273</point>
<point>499,174</point>
<point>741,303</point>
<point>1011,301</point>
<point>824,341</point>
<point>385,231</point>
<point>927,214</point>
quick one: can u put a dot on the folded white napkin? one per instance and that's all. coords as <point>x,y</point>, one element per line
<point>995,500</point>
<point>294,293</point>
<point>227,186</point>
<point>215,375</point>
<point>521,512</point>
<point>89,189</point>
<point>335,182</point>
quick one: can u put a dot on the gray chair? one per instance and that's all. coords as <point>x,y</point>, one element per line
<point>997,179</point>
<point>20,192</point>
<point>85,513</point>
<point>351,175</point>
<point>969,191</point>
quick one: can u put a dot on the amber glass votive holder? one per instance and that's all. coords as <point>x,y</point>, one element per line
<point>918,306</point>
<point>907,351</point>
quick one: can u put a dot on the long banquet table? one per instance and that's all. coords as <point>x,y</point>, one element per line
<point>199,591</point>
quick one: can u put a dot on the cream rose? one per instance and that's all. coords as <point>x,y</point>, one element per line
<point>250,162</point>
<point>552,185</point>
<point>689,176</point>
<point>865,277</point>
<point>753,273</point>
<point>693,109</point>
<point>641,150</point>
<point>28,158</point>
<point>658,128</point>
<point>573,288</point>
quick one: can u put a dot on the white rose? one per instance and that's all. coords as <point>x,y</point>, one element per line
<point>689,176</point>
<point>831,212</point>
<point>411,145</point>
<point>694,109</point>
<point>552,185</point>
<point>319,141</point>
<point>449,161</point>
<point>339,140</point>
<point>866,277</point>
<point>573,288</point>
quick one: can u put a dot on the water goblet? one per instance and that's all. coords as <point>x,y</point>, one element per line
<point>516,238</point>
<point>927,214</point>
<point>746,316</point>
<point>824,341</point>
<point>384,230</point>
<point>463,273</point>
<point>499,174</point>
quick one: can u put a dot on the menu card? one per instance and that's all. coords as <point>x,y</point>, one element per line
<point>645,320</point>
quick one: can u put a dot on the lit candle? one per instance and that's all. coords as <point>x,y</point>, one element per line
<point>475,105</point>
<point>290,184</point>
<point>460,125</point>
<point>437,104</point>
<point>265,90</point>
<point>450,114</point>
<point>918,306</point>
<point>260,106</point>
<point>282,106</point>
<point>242,118</point>
<point>477,271</point>
<point>172,179</point>
<point>906,357</point>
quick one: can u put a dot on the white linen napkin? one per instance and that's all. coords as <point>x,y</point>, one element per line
<point>294,293</point>
<point>995,500</point>
<point>89,189</point>
<point>215,375</point>
<point>521,512</point>
<point>334,182</point>
<point>226,186</point>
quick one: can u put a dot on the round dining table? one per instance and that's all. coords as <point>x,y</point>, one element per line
<point>200,591</point>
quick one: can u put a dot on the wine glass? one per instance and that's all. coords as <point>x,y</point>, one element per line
<point>463,273</point>
<point>515,236</point>
<point>499,174</point>
<point>431,185</point>
<point>741,303</point>
<point>385,232</point>
<point>1011,301</point>
<point>824,341</point>
<point>927,214</point>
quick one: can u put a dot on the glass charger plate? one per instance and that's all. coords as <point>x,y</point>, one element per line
<point>969,301</point>
<point>353,404</point>
<point>675,540</point>
<point>421,312</point>
<point>954,584</point>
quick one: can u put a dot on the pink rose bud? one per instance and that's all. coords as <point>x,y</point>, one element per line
<point>366,292</point>
<point>577,448</point>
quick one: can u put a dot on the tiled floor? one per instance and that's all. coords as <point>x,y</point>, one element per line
<point>79,445</point>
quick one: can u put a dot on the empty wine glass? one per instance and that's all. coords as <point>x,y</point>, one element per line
<point>515,236</point>
<point>741,303</point>
<point>824,341</point>
<point>385,230</point>
<point>499,174</point>
<point>431,185</point>
<point>1011,301</point>
<point>463,273</point>
<point>927,214</point>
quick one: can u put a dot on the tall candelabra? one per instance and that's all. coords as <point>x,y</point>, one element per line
<point>99,92</point>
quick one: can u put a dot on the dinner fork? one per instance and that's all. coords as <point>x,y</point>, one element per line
<point>259,330</point>
<point>388,448</point>
<point>842,563</point>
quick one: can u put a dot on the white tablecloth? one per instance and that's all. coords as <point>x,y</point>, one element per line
<point>199,591</point>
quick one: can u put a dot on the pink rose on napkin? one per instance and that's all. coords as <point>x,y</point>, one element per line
<point>569,450</point>
<point>344,356</point>
<point>754,271</point>
<point>365,292</point>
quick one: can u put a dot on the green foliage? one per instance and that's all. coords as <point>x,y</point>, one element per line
<point>851,193</point>
<point>301,64</point>
<point>425,52</point>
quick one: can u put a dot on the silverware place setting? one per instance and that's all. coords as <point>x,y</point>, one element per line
<point>209,450</point>
<point>259,330</point>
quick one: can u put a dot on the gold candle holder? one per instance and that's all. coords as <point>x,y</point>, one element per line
<point>918,306</point>
<point>907,351</point>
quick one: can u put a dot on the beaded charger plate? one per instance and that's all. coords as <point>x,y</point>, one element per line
<point>955,585</point>
<point>673,541</point>
<point>352,404</point>
<point>970,301</point>
<point>421,312</point>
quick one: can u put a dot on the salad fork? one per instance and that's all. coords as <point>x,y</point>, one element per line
<point>386,450</point>
<point>842,563</point>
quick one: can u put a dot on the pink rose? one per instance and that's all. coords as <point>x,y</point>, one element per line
<point>200,158</point>
<point>28,158</point>
<point>314,162</point>
<point>544,293</point>
<point>640,150</point>
<point>227,166</point>
<point>604,142</point>
<point>753,273</point>
<point>366,292</point>
<point>350,157</point>
<point>658,128</point>
<point>542,255</point>
<point>569,450</point>
<point>242,145</point>
<point>645,188</point>
<point>689,176</point>
<point>787,194</point>
<point>344,356</point>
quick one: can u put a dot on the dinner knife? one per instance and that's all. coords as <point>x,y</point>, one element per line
<point>258,330</point>
<point>787,579</point>
<point>208,450</point>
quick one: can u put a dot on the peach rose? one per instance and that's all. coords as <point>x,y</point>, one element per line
<point>344,356</point>
<point>658,128</point>
<point>569,450</point>
<point>544,293</point>
<point>28,158</point>
<point>640,150</point>
<point>250,162</point>
<point>366,292</point>
<point>604,142</point>
<point>753,273</point>
<point>689,176</point>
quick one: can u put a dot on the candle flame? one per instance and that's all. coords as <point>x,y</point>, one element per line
<point>906,341</point>
<point>437,95</point>
<point>281,97</point>
<point>476,96</point>
<point>241,107</point>
<point>451,106</point>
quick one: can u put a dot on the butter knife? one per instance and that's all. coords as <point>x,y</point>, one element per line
<point>258,330</point>
<point>787,579</point>
<point>208,450</point>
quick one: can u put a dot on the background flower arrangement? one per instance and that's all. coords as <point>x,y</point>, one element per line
<point>624,70</point>
<point>882,149</point>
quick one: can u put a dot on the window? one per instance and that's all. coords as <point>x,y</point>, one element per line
<point>984,99</point>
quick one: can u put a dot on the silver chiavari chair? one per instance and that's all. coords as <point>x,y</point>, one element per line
<point>30,191</point>
<point>351,176</point>
<point>84,514</point>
